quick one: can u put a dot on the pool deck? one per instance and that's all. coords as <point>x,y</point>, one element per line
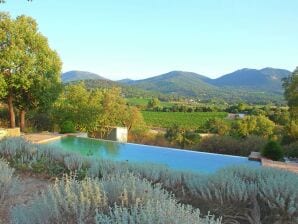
<point>293,167</point>
<point>42,137</point>
<point>256,156</point>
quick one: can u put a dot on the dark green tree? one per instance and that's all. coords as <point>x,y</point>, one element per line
<point>290,85</point>
<point>273,150</point>
<point>29,69</point>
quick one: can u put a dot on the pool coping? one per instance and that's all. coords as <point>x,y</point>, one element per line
<point>42,138</point>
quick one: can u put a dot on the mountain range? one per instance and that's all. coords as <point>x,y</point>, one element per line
<point>266,81</point>
<point>79,75</point>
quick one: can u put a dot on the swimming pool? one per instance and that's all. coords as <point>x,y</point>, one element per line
<point>174,158</point>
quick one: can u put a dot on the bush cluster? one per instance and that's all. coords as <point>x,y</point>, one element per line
<point>232,146</point>
<point>273,150</point>
<point>291,150</point>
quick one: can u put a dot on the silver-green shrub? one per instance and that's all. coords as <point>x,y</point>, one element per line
<point>245,194</point>
<point>8,183</point>
<point>17,149</point>
<point>73,162</point>
<point>68,201</point>
<point>21,152</point>
<point>157,212</point>
<point>105,201</point>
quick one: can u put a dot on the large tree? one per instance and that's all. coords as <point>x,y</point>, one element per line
<point>95,111</point>
<point>30,69</point>
<point>290,85</point>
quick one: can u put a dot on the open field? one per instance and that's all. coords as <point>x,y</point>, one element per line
<point>189,120</point>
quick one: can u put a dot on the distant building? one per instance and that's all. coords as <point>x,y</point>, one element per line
<point>236,116</point>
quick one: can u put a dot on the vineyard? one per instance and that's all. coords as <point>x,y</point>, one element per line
<point>144,102</point>
<point>188,120</point>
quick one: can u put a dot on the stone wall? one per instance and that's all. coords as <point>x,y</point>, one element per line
<point>3,133</point>
<point>10,132</point>
<point>118,134</point>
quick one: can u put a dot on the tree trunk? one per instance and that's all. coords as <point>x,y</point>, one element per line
<point>12,117</point>
<point>22,120</point>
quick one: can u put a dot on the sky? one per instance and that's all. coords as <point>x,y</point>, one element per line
<point>141,38</point>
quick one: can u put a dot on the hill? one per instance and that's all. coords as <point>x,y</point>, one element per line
<point>176,83</point>
<point>249,85</point>
<point>79,75</point>
<point>266,79</point>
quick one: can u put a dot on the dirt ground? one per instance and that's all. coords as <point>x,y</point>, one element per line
<point>29,186</point>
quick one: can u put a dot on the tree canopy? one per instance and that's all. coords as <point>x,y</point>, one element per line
<point>290,85</point>
<point>255,125</point>
<point>29,69</point>
<point>95,111</point>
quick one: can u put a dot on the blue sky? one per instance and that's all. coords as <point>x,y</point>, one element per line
<point>138,39</point>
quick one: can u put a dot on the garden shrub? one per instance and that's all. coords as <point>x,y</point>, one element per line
<point>247,195</point>
<point>105,201</point>
<point>40,121</point>
<point>164,211</point>
<point>4,115</point>
<point>8,183</point>
<point>272,150</point>
<point>67,127</point>
<point>231,145</point>
<point>291,150</point>
<point>42,158</point>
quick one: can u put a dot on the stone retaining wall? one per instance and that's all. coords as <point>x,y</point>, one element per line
<point>10,132</point>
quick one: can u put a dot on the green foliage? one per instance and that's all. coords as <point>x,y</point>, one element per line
<point>135,122</point>
<point>218,126</point>
<point>291,134</point>
<point>78,105</point>
<point>255,125</point>
<point>290,85</point>
<point>181,136</point>
<point>95,111</point>
<point>30,70</point>
<point>143,102</point>
<point>67,127</point>
<point>153,103</point>
<point>40,121</point>
<point>291,150</point>
<point>273,150</point>
<point>186,120</point>
<point>230,145</point>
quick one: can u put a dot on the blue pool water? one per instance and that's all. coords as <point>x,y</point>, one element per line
<point>174,158</point>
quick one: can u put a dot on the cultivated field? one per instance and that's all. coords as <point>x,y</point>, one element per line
<point>189,120</point>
